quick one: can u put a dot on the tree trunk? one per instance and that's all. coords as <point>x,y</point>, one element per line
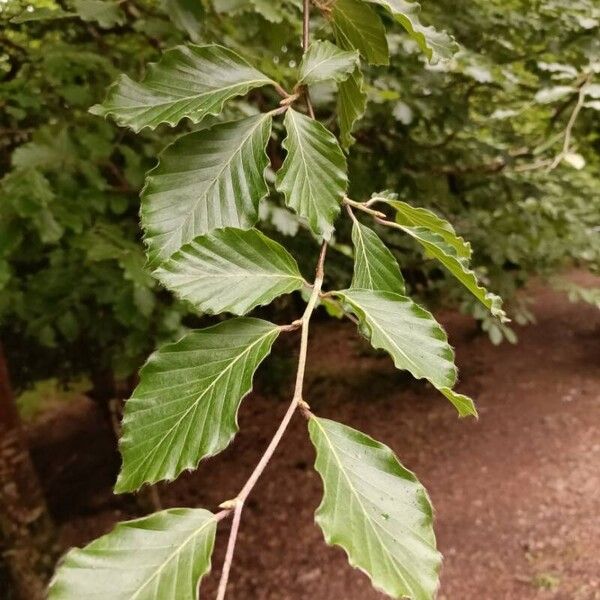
<point>27,541</point>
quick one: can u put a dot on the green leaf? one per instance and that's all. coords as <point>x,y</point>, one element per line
<point>188,81</point>
<point>435,44</point>
<point>205,180</point>
<point>324,61</point>
<point>376,510</point>
<point>163,555</point>
<point>375,267</point>
<point>410,335</point>
<point>231,270</point>
<point>357,26</point>
<point>313,175</point>
<point>440,241</point>
<point>187,15</point>
<point>463,404</point>
<point>107,14</point>
<point>185,406</point>
<point>351,106</point>
<point>411,216</point>
<point>42,14</point>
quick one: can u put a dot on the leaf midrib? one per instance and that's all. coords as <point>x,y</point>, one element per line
<point>170,557</point>
<point>358,499</point>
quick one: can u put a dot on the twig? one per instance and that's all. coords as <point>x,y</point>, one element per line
<point>305,42</point>
<point>238,503</point>
<point>364,206</point>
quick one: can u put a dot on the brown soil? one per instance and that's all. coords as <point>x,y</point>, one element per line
<point>517,493</point>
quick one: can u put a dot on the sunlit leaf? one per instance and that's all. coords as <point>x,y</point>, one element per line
<point>185,406</point>
<point>205,180</point>
<point>230,270</point>
<point>376,510</point>
<point>188,82</point>
<point>163,555</point>
<point>313,175</point>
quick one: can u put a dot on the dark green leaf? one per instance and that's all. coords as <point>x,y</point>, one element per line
<point>185,406</point>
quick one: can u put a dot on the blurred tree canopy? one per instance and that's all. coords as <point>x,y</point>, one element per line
<point>503,140</point>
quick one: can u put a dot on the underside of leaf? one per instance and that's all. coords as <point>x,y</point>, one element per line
<point>160,556</point>
<point>376,510</point>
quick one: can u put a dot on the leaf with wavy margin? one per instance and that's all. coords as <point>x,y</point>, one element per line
<point>205,180</point>
<point>163,555</point>
<point>435,44</point>
<point>313,175</point>
<point>187,82</point>
<point>375,267</point>
<point>185,406</point>
<point>325,61</point>
<point>411,336</point>
<point>376,510</point>
<point>230,270</point>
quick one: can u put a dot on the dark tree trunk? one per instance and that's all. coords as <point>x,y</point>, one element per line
<point>27,543</point>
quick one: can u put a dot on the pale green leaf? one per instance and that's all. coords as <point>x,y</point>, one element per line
<point>188,82</point>
<point>325,61</point>
<point>104,12</point>
<point>230,270</point>
<point>440,241</point>
<point>185,406</point>
<point>375,267</point>
<point>463,404</point>
<point>411,216</point>
<point>358,26</point>
<point>409,334</point>
<point>351,106</point>
<point>313,175</point>
<point>435,44</point>
<point>205,180</point>
<point>376,510</point>
<point>160,556</point>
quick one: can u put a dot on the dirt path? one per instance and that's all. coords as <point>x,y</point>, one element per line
<point>517,494</point>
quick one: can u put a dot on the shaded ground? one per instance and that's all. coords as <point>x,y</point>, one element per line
<point>517,493</point>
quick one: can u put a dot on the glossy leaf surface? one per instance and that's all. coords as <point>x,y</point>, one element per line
<point>188,82</point>
<point>205,180</point>
<point>230,270</point>
<point>185,406</point>
<point>313,175</point>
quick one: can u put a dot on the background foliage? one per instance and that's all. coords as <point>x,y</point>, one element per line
<point>470,138</point>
